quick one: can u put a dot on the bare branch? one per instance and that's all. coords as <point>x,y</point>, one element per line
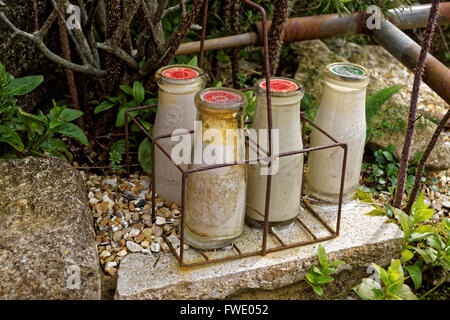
<point>158,37</point>
<point>125,22</point>
<point>49,54</point>
<point>48,23</point>
<point>174,8</point>
<point>183,8</point>
<point>160,10</point>
<point>119,53</point>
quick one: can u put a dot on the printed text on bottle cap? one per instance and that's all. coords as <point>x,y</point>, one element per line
<point>221,97</point>
<point>178,73</point>
<point>280,85</point>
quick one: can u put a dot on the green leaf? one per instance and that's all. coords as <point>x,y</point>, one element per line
<point>311,277</point>
<point>318,290</point>
<point>406,293</point>
<point>72,131</point>
<point>138,92</point>
<point>11,137</point>
<point>21,86</point>
<point>324,279</point>
<point>145,155</point>
<point>405,222</point>
<point>105,105</point>
<point>70,114</point>
<point>415,272</point>
<point>323,260</point>
<point>127,89</point>
<point>388,156</point>
<point>32,117</point>
<point>193,62</point>
<point>376,101</point>
<point>382,273</point>
<point>396,276</point>
<point>119,146</point>
<point>422,215</point>
<point>370,290</point>
<point>406,255</point>
<point>336,263</point>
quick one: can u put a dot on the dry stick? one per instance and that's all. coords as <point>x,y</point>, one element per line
<point>423,160</point>
<point>174,42</point>
<point>69,73</point>
<point>413,107</point>
<point>36,15</point>
<point>235,51</point>
<point>276,33</point>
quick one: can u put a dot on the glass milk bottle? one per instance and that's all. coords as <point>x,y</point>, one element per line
<point>286,95</point>
<point>215,199</point>
<point>342,115</point>
<point>178,85</point>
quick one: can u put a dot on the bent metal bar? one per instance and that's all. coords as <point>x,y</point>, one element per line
<point>269,157</point>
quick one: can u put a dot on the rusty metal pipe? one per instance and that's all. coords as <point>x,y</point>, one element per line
<point>324,26</point>
<point>404,49</point>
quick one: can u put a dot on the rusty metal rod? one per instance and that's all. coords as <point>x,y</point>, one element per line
<point>436,75</point>
<point>324,26</point>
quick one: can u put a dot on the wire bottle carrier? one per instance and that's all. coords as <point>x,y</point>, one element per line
<point>239,250</point>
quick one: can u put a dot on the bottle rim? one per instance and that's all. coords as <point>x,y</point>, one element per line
<point>279,87</point>
<point>346,71</point>
<point>220,99</point>
<point>182,74</point>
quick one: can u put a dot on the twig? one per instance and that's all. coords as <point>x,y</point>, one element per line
<point>119,53</point>
<point>423,160</point>
<point>36,15</point>
<point>174,8</point>
<point>413,107</point>
<point>88,69</point>
<point>160,10</point>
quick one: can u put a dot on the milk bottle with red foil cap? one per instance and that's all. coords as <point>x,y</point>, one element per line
<point>342,115</point>
<point>178,85</point>
<point>215,198</point>
<point>286,95</point>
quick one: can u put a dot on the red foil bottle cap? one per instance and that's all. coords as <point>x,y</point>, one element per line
<point>221,97</point>
<point>280,85</point>
<point>179,73</point>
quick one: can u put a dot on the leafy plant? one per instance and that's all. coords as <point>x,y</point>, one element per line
<point>392,286</point>
<point>383,174</point>
<point>30,134</point>
<point>424,247</point>
<point>320,275</point>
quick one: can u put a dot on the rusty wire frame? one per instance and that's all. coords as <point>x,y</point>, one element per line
<point>269,157</point>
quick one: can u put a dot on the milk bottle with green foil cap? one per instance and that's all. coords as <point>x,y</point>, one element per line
<point>342,115</point>
<point>178,85</point>
<point>286,95</point>
<point>215,199</point>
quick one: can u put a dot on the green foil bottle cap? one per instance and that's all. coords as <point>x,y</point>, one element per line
<point>347,71</point>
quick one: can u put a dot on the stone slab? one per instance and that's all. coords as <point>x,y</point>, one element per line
<point>47,240</point>
<point>363,239</point>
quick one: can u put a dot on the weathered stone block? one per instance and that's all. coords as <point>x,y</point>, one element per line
<point>46,232</point>
<point>280,275</point>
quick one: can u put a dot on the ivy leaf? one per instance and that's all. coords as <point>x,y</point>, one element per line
<point>72,131</point>
<point>11,137</point>
<point>145,155</point>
